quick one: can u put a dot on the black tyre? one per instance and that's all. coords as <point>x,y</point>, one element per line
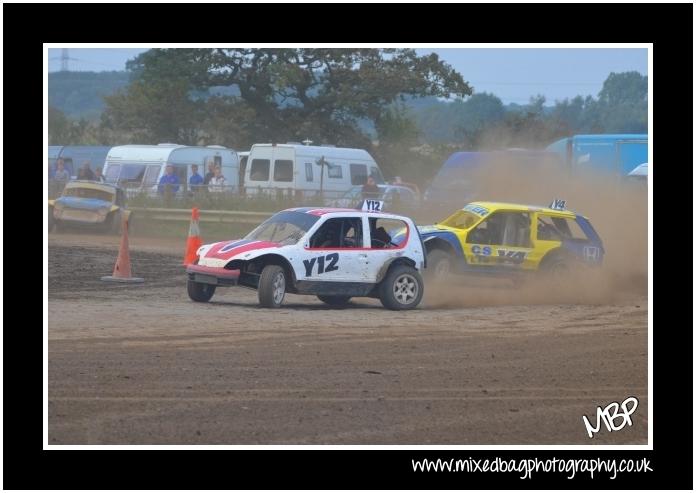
<point>272,286</point>
<point>557,268</point>
<point>200,292</point>
<point>401,289</point>
<point>440,266</point>
<point>335,300</point>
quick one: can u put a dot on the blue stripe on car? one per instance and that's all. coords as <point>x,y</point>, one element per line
<point>83,203</point>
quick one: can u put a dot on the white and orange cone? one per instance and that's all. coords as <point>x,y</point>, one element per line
<point>194,242</point>
<point>122,269</point>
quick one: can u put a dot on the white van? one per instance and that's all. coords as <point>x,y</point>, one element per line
<point>296,168</point>
<point>140,167</point>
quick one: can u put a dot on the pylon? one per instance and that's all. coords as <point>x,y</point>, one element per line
<point>193,243</point>
<point>122,269</point>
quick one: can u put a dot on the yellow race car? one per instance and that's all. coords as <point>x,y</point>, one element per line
<point>89,204</point>
<point>510,240</point>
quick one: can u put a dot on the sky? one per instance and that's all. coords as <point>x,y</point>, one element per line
<point>512,74</point>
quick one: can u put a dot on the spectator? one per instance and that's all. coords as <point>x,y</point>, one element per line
<point>98,176</point>
<point>58,180</point>
<point>217,182</point>
<point>370,190</point>
<point>196,180</point>
<point>85,172</point>
<point>211,172</point>
<point>61,174</point>
<point>169,183</point>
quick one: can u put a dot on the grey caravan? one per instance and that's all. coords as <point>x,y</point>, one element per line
<point>138,168</point>
<point>299,169</point>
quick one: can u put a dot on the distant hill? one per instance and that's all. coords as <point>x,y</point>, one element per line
<point>79,94</point>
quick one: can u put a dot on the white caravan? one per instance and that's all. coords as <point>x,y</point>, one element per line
<point>140,167</point>
<point>305,169</point>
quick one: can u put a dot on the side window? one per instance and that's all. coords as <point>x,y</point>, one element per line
<point>490,231</point>
<point>112,173</point>
<point>132,175</point>
<point>575,230</point>
<point>260,170</point>
<point>388,233</point>
<point>282,170</point>
<point>309,171</point>
<point>335,171</point>
<point>358,174</point>
<point>517,229</point>
<point>546,231</point>
<point>558,228</point>
<point>151,175</point>
<point>345,232</point>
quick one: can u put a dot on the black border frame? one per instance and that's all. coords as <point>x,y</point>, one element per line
<point>27,26</point>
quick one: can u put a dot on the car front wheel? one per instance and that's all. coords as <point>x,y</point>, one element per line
<point>200,292</point>
<point>272,286</point>
<point>439,267</point>
<point>402,288</point>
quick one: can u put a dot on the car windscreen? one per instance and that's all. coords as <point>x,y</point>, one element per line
<point>286,228</point>
<point>461,219</point>
<point>88,193</point>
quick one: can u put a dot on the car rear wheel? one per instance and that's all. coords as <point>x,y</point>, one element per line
<point>401,289</point>
<point>335,300</point>
<point>272,286</point>
<point>557,268</point>
<point>200,292</point>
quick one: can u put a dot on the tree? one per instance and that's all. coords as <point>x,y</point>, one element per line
<point>397,134</point>
<point>475,115</point>
<point>624,88</point>
<point>623,103</point>
<point>320,93</point>
<point>58,127</point>
<point>155,111</point>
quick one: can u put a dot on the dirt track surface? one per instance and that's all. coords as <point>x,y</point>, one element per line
<point>142,364</point>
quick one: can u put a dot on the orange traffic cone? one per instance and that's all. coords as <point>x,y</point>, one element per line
<point>122,269</point>
<point>193,243</point>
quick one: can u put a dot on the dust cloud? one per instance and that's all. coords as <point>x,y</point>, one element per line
<point>617,210</point>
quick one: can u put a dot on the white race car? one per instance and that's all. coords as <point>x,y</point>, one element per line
<point>335,254</point>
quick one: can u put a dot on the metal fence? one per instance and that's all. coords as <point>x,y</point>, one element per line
<point>207,216</point>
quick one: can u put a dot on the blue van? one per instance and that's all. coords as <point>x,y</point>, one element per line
<point>618,154</point>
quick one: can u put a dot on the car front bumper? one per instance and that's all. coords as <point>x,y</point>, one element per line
<point>217,276</point>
